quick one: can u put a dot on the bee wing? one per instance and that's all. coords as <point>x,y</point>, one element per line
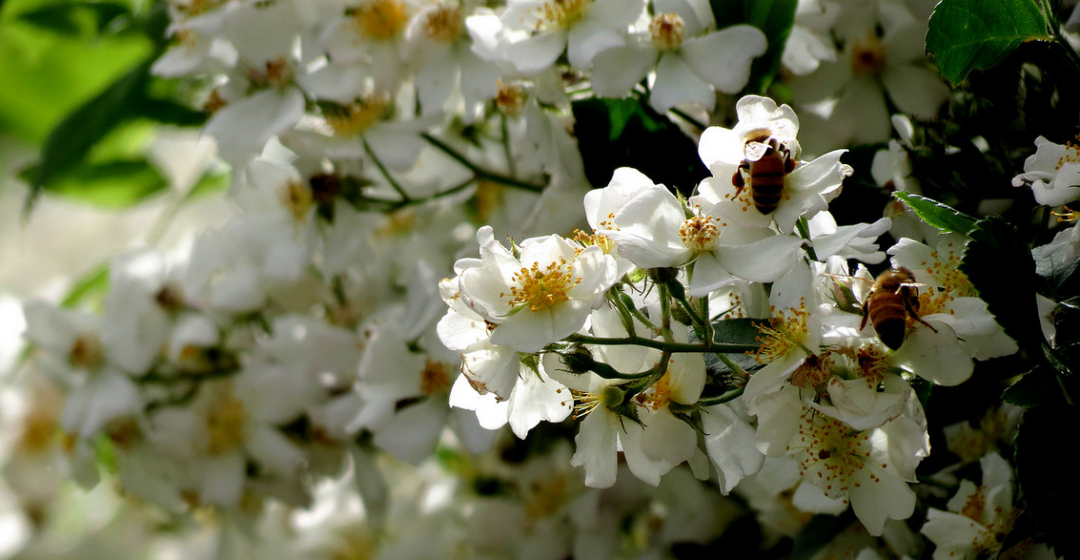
<point>755,150</point>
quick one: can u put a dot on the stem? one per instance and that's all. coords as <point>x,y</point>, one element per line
<point>673,347</point>
<point>624,313</point>
<point>686,117</point>
<point>728,396</point>
<point>804,232</point>
<point>480,172</point>
<point>1058,37</point>
<point>506,144</point>
<point>392,205</point>
<point>685,304</point>
<point>384,170</point>
<point>735,368</point>
<point>665,312</point>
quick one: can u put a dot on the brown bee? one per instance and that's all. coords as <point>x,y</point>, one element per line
<point>890,303</point>
<point>764,173</point>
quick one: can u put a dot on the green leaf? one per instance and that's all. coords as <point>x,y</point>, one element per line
<point>937,214</point>
<point>1000,266</point>
<point>114,184</point>
<point>1037,387</point>
<point>774,18</point>
<point>1047,478</point>
<point>94,284</point>
<point>76,18</point>
<point>968,35</point>
<point>614,133</point>
<point>738,331</point>
<point>70,141</point>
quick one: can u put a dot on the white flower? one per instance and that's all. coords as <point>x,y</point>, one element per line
<point>684,55</point>
<point>1053,172</point>
<point>979,517</point>
<point>809,42</point>
<point>583,28</point>
<point>540,297</point>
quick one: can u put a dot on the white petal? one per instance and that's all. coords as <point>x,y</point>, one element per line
<point>740,45</point>
<point>677,83</point>
<point>616,71</point>
<point>935,356</point>
<point>915,91</point>
<point>596,448</point>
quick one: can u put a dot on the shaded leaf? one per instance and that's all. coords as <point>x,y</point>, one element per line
<point>71,17</point>
<point>614,133</point>
<point>1046,478</point>
<point>114,184</point>
<point>820,531</point>
<point>1037,387</point>
<point>1051,264</point>
<point>1010,297</point>
<point>937,214</point>
<point>966,35</point>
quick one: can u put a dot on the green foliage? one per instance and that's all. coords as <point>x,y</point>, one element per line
<point>93,285</point>
<point>614,133</point>
<point>115,184</point>
<point>937,214</point>
<point>968,35</point>
<point>774,18</point>
<point>1045,474</point>
<point>77,18</point>
<point>995,247</point>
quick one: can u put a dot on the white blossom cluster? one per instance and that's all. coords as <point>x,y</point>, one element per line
<point>289,353</point>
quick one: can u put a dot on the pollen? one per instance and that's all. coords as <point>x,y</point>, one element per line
<point>786,333</point>
<point>214,102</point>
<point>541,289</point>
<point>700,234</point>
<point>355,118</point>
<point>585,402</point>
<point>225,424</point>
<point>435,378</point>
<point>443,24</point>
<point>561,14</point>
<point>872,362</point>
<point>279,72</point>
<point>868,55</point>
<point>86,352</point>
<point>814,372</point>
<point>666,32</point>
<point>297,198</point>
<point>606,244</point>
<point>510,99</point>
<point>381,20</point>
<point>658,395</point>
<point>1070,155</point>
<point>1068,215</point>
<point>833,453</point>
<point>945,268</point>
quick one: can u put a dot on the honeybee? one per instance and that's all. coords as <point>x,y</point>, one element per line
<point>764,173</point>
<point>892,300</point>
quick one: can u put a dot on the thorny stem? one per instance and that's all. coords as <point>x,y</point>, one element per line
<point>478,171</point>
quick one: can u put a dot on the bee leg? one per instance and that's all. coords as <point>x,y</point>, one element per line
<point>865,311</point>
<point>913,312</point>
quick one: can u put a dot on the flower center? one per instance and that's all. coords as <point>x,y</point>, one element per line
<point>585,402</point>
<point>562,13</point>
<point>813,373</point>
<point>666,32</point>
<point>381,20</point>
<point>357,117</point>
<point>699,234</point>
<point>1071,154</point>
<point>443,24</point>
<point>510,100</point>
<point>435,378</point>
<point>947,272</point>
<point>541,289</point>
<point>658,395</point>
<point>225,424</point>
<point>868,56</point>
<point>872,363</point>
<point>834,452</point>
<point>600,240</point>
<point>297,199</point>
<point>86,352</point>
<point>787,333</point>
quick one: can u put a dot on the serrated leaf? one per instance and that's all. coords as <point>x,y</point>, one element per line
<point>1037,387</point>
<point>937,214</point>
<point>995,248</point>
<point>1051,264</point>
<point>966,35</point>
<point>114,184</point>
<point>1046,476</point>
<point>614,133</point>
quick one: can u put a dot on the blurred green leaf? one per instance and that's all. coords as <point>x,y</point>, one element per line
<point>213,181</point>
<point>968,35</point>
<point>1000,266</point>
<point>614,133</point>
<point>114,184</point>
<point>93,284</point>
<point>76,18</point>
<point>937,214</point>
